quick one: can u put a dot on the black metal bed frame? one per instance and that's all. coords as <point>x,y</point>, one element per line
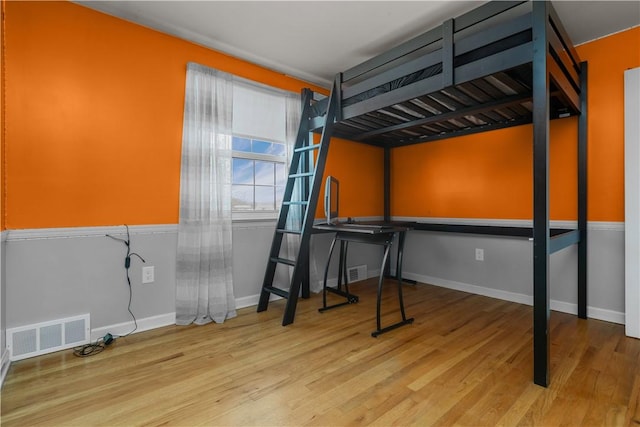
<point>502,64</point>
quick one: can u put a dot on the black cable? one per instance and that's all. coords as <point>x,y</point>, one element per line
<point>98,346</point>
<point>135,322</point>
<point>88,349</point>
<point>127,265</point>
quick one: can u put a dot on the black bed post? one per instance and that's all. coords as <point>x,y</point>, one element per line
<point>582,195</point>
<point>387,184</point>
<point>540,18</point>
<point>387,197</point>
<point>307,162</point>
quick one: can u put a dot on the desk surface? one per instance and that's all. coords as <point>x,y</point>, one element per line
<point>362,228</point>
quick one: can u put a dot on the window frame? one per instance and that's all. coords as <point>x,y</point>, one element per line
<point>240,215</point>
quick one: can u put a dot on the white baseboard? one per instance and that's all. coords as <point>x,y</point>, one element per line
<point>144,324</point>
<point>333,282</point>
<point>472,289</point>
<point>564,307</point>
<point>247,301</point>
<point>161,320</point>
<point>561,306</point>
<point>153,322</point>
<point>592,312</point>
<point>6,362</point>
<point>252,300</point>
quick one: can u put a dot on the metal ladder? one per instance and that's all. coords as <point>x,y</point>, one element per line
<point>305,178</point>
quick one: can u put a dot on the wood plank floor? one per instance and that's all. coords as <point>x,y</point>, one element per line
<point>466,360</point>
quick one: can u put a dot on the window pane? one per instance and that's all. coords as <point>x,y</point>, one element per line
<point>278,149</point>
<point>281,174</point>
<point>271,148</point>
<point>265,173</point>
<point>265,198</point>
<point>242,171</point>
<point>241,144</point>
<point>242,197</point>
<point>279,194</point>
<point>262,147</point>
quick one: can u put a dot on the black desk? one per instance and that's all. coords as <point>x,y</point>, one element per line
<point>370,234</point>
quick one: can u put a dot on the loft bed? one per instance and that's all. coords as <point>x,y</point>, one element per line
<point>503,64</point>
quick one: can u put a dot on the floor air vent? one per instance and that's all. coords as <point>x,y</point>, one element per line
<point>356,273</point>
<point>47,337</point>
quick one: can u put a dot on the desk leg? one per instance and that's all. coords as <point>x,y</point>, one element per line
<point>341,261</point>
<point>343,271</point>
<point>399,257</point>
<point>399,280</point>
<point>385,257</point>
<point>326,273</point>
<point>404,320</point>
<point>351,299</point>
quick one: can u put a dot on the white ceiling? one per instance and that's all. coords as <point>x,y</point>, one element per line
<point>314,40</point>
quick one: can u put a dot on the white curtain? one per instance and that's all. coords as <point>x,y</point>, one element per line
<point>204,291</point>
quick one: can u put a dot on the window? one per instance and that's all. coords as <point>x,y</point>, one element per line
<point>259,150</point>
<point>258,175</point>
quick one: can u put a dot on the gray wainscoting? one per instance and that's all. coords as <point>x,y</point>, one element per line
<point>66,272</point>
<point>56,276</point>
<point>447,259</point>
<point>58,273</point>
<point>3,301</point>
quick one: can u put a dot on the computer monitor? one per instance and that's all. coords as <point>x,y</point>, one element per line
<point>331,198</point>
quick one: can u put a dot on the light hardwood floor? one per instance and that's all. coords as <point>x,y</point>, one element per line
<point>466,360</point>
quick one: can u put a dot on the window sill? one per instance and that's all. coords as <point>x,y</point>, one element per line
<point>254,216</point>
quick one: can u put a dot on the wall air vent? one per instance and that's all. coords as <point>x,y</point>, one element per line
<point>47,337</point>
<point>357,273</point>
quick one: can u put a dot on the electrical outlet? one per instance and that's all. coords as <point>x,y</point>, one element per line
<point>148,274</point>
<point>479,254</point>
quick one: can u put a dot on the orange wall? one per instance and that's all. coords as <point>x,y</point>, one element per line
<point>608,59</point>
<point>93,123</point>
<point>489,175</point>
<point>94,117</point>
<point>359,169</point>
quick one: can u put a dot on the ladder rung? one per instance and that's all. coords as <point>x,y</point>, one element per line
<point>284,261</point>
<point>300,175</point>
<point>307,148</point>
<point>286,231</point>
<point>280,292</point>
<point>296,202</point>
